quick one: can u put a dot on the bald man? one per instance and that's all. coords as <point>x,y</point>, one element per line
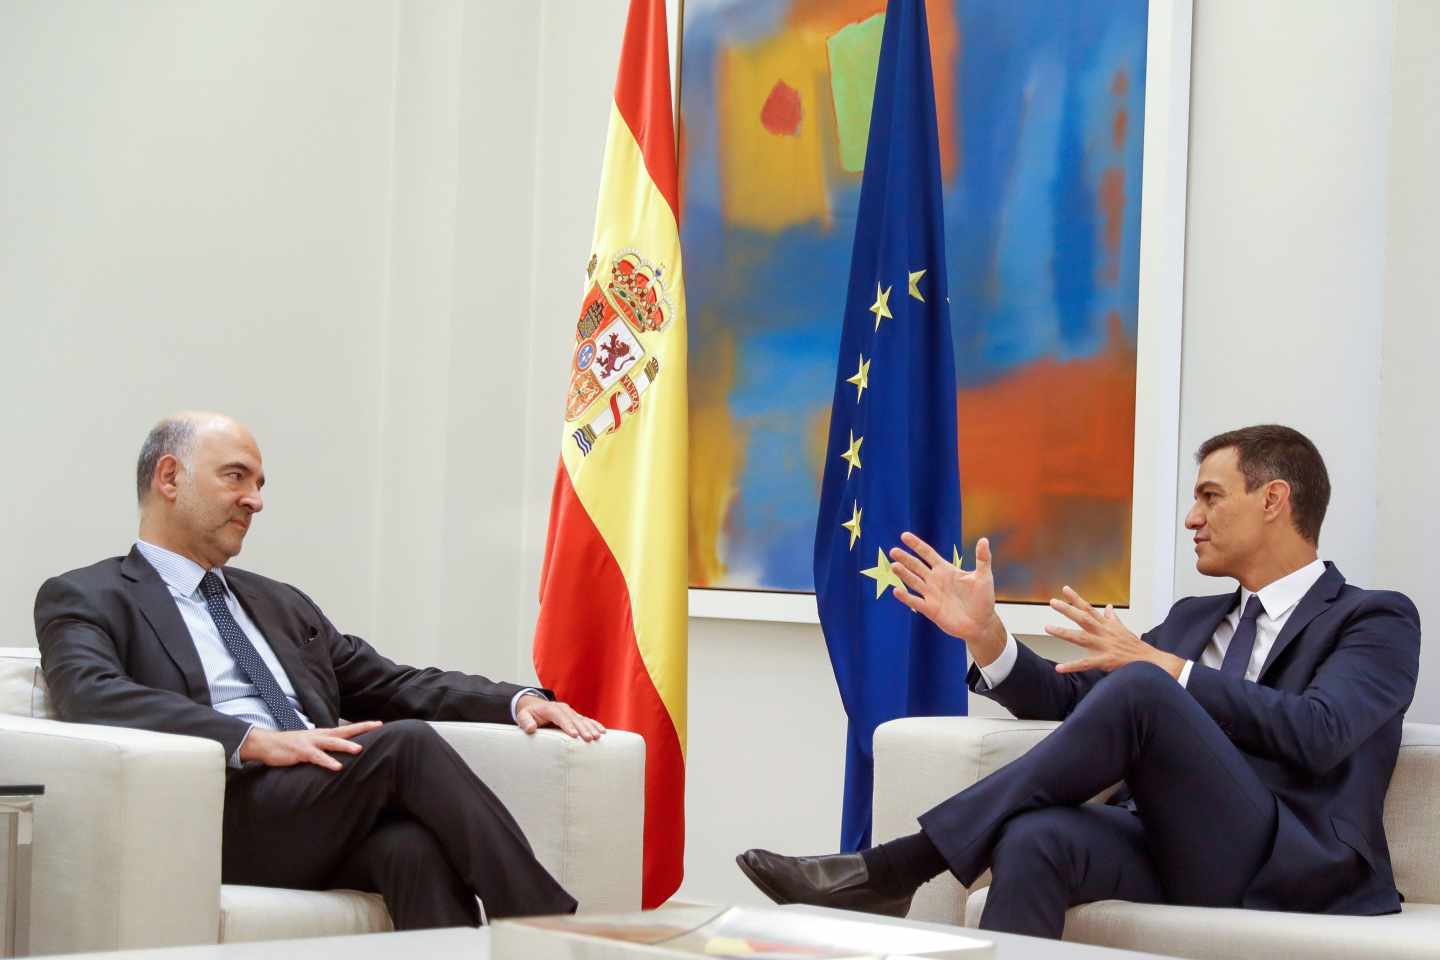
<point>170,638</point>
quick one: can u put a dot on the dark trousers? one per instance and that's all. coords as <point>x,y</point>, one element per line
<point>1203,825</point>
<point>405,818</point>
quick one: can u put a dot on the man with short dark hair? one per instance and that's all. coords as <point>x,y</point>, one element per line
<point>1255,731</point>
<point>170,638</point>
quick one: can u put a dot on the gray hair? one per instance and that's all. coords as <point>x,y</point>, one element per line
<point>173,436</point>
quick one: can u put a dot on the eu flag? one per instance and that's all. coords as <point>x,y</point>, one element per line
<point>891,462</point>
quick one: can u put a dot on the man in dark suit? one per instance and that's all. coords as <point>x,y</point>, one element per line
<point>1255,731</point>
<point>169,638</point>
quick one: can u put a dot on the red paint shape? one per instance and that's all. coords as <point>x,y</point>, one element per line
<point>781,113</point>
<point>1120,85</point>
<point>1122,123</point>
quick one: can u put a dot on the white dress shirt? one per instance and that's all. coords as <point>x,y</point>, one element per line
<point>1278,600</point>
<point>231,692</point>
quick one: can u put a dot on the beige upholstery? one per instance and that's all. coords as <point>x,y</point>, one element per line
<point>921,761</point>
<point>127,836</point>
<point>1202,932</point>
<point>274,913</point>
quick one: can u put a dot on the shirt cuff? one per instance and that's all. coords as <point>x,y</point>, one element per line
<point>995,672</point>
<point>515,700</point>
<point>234,760</point>
<point>1185,673</point>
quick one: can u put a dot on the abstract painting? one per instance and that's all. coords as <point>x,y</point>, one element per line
<point>1040,108</point>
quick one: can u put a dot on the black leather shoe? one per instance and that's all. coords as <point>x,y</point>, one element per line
<point>841,880</point>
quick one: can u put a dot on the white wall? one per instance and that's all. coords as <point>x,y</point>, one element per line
<point>362,228</point>
<point>1408,525</point>
<point>191,215</point>
<point>1285,246</point>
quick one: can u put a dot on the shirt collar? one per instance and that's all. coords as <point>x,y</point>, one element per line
<point>1281,596</point>
<point>180,574</point>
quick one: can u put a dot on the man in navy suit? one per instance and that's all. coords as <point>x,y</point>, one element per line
<point>1255,731</point>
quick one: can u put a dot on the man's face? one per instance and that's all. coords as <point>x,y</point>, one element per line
<point>1228,522</point>
<point>220,493</point>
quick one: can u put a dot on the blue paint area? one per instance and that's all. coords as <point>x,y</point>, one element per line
<point>1030,276</point>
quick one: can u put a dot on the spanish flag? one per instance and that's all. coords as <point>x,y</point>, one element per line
<point>611,637</point>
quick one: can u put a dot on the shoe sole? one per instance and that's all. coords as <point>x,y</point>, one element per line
<point>763,887</point>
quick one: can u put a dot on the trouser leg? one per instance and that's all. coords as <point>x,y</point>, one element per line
<point>1187,778</point>
<point>1048,860</point>
<point>295,826</point>
<point>404,863</point>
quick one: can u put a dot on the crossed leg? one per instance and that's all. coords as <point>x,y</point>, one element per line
<point>1204,826</point>
<point>405,815</point>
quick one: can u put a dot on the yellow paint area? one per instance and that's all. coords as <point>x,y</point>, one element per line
<point>770,181</point>
<point>721,451</point>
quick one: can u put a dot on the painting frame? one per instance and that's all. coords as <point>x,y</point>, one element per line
<point>1154,505</point>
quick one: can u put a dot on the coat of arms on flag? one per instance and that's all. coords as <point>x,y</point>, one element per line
<point>618,307</point>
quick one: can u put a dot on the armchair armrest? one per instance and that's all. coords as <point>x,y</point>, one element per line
<point>582,805</point>
<point>920,761</point>
<point>127,836</point>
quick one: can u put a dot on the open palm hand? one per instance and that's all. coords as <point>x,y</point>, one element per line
<point>960,602</point>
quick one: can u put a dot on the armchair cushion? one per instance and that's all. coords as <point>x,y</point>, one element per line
<point>275,913</point>
<point>22,686</point>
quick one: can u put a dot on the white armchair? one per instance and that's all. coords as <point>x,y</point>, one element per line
<point>127,836</point>
<point>922,761</point>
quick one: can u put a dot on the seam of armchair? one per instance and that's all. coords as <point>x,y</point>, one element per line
<point>567,814</point>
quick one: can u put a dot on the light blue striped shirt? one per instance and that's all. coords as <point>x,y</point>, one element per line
<point>230,692</point>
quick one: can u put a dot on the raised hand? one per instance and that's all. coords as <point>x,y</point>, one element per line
<point>960,602</point>
<point>1109,642</point>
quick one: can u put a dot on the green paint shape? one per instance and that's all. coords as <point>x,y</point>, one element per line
<point>854,61</point>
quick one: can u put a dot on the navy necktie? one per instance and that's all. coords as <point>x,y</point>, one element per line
<point>247,658</point>
<point>1237,655</point>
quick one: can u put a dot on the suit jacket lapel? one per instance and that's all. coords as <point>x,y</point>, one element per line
<point>1193,642</point>
<point>261,608</point>
<point>158,607</point>
<point>1316,599</point>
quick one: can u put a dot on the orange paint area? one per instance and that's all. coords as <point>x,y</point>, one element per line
<point>1047,470</point>
<point>1112,208</point>
<point>1111,196</point>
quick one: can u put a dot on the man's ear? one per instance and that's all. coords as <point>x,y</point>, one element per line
<point>1277,499</point>
<point>167,477</point>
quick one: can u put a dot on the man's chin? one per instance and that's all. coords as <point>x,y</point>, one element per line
<point>1209,566</point>
<point>229,546</point>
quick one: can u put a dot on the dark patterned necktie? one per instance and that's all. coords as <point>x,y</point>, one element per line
<point>247,658</point>
<point>1237,655</point>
